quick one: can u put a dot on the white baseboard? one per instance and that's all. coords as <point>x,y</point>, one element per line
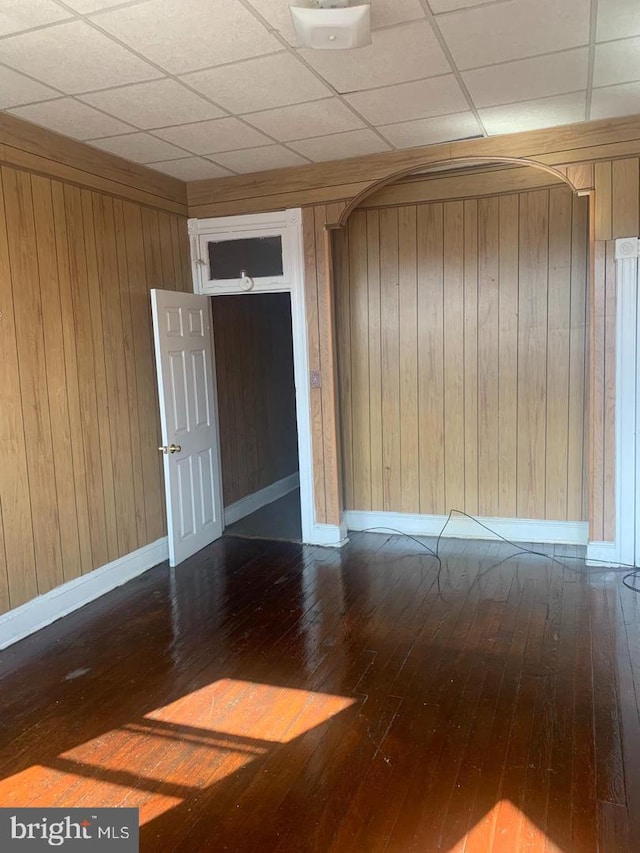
<point>47,608</point>
<point>255,501</point>
<point>602,553</point>
<point>516,529</point>
<point>328,535</point>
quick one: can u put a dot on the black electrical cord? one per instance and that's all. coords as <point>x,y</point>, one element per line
<point>636,576</point>
<point>520,549</point>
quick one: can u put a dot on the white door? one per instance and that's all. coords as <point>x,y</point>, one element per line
<point>186,384</point>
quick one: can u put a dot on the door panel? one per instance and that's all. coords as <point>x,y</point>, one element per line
<point>185,360</point>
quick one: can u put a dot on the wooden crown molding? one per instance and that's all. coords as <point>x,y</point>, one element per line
<point>28,146</point>
<point>321,183</point>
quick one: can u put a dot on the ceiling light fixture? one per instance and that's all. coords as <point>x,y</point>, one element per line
<point>332,24</point>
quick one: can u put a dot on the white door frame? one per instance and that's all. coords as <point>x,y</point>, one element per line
<point>626,547</point>
<point>288,223</point>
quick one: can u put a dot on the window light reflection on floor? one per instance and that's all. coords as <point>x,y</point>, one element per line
<point>157,761</point>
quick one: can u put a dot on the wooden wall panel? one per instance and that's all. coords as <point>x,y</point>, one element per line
<point>27,308</point>
<point>311,273</point>
<point>408,362</point>
<point>57,397</point>
<point>558,349</point>
<point>509,259</point>
<point>453,355</point>
<point>375,355</point>
<point>357,357</point>
<point>81,483</point>
<point>67,312</point>
<point>577,467</point>
<point>19,567</point>
<point>488,354</point>
<point>430,220</point>
<point>343,326</point>
<point>256,392</point>
<point>390,343</point>
<point>532,353</point>
<point>625,189</point>
<point>321,325</point>
<point>498,358</point>
<point>470,333</point>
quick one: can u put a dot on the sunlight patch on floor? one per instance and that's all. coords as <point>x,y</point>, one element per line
<point>505,824</point>
<point>178,750</point>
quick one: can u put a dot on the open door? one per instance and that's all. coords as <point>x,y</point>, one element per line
<point>186,376</point>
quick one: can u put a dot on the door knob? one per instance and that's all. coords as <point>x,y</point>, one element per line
<point>172,448</point>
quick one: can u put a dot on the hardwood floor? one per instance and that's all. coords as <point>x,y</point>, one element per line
<point>270,697</point>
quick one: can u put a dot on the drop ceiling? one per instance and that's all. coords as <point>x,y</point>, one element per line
<point>208,88</point>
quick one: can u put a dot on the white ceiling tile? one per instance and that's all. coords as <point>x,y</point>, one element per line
<point>210,137</point>
<point>259,159</point>
<point>439,6</point>
<point>17,89</point>
<point>427,131</point>
<point>338,146</point>
<point>397,55</point>
<point>617,62</point>
<point>156,104</point>
<point>85,7</point>
<point>530,115</point>
<point>515,30</point>
<point>306,120</point>
<point>384,13</point>
<point>407,101</point>
<point>140,147</point>
<point>537,77</point>
<point>72,118</point>
<point>191,169</point>
<point>74,57</point>
<point>258,84</point>
<point>19,15</point>
<point>184,37</point>
<point>618,19</point>
<point>614,101</point>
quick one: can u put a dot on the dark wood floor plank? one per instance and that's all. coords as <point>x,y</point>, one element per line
<point>274,697</point>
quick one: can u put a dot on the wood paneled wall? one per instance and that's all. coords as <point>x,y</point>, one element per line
<point>461,346</point>
<point>617,191</point>
<point>80,473</point>
<point>600,154</point>
<point>256,391</point>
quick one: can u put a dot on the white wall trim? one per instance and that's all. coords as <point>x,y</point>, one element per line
<point>623,549</point>
<point>64,599</point>
<point>602,554</point>
<point>255,501</point>
<point>328,535</point>
<point>516,529</point>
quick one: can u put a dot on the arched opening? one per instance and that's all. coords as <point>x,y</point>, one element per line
<point>462,320</point>
<point>455,164</point>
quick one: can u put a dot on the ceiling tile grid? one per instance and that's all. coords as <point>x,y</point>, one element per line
<point>209,88</point>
